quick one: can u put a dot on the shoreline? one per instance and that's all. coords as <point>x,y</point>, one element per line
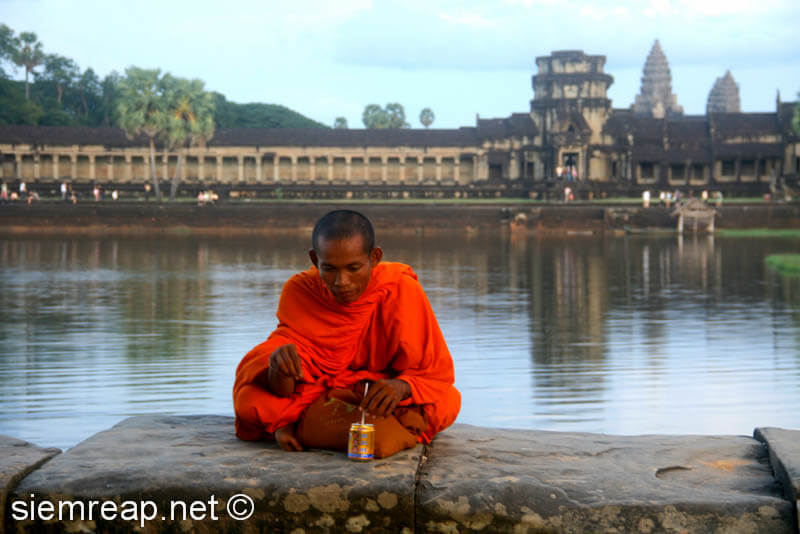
<point>230,219</point>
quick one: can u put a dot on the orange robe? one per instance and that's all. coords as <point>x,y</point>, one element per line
<point>390,331</point>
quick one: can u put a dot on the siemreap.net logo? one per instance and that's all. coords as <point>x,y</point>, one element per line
<point>238,507</point>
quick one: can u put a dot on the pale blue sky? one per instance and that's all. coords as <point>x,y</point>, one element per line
<point>326,59</point>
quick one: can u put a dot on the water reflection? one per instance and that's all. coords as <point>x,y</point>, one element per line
<point>619,335</point>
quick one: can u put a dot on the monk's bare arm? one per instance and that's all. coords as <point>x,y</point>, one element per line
<point>285,370</point>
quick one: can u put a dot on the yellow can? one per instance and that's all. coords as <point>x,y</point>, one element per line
<point>361,442</point>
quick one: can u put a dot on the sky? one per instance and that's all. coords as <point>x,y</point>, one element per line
<point>461,58</point>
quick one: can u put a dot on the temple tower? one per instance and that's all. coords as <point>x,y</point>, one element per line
<point>724,96</point>
<point>569,107</point>
<point>656,98</point>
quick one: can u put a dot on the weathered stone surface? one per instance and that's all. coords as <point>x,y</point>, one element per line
<point>496,480</point>
<point>192,458</point>
<point>17,459</point>
<point>784,455</point>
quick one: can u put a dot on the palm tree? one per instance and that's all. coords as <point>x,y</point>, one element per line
<point>426,117</point>
<point>141,109</point>
<point>29,54</point>
<point>190,111</point>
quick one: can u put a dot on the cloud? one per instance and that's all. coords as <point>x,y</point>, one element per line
<point>511,33</point>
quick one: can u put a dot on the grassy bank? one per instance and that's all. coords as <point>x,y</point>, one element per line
<point>784,263</point>
<point>793,233</point>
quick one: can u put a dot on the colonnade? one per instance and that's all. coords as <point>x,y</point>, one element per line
<point>262,166</point>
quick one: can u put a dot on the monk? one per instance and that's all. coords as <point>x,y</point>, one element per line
<point>346,323</point>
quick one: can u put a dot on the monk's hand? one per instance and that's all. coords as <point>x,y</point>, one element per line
<point>286,439</point>
<point>384,395</point>
<point>285,369</point>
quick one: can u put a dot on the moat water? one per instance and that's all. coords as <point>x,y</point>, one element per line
<point>621,335</point>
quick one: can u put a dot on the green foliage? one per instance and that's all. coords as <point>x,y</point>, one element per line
<point>63,95</point>
<point>426,117</point>
<point>392,116</point>
<point>7,47</point>
<point>190,111</point>
<point>142,109</point>
<point>190,117</point>
<point>796,118</point>
<point>784,263</point>
<point>232,115</point>
<point>141,105</point>
<point>59,70</point>
<point>14,108</point>
<point>28,53</point>
<point>340,123</point>
<point>89,91</point>
<point>110,91</point>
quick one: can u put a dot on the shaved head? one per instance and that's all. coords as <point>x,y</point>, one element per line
<point>343,224</point>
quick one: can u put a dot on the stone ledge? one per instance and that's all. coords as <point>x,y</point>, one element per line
<point>471,479</point>
<point>784,455</point>
<point>533,481</point>
<point>17,459</point>
<point>191,458</point>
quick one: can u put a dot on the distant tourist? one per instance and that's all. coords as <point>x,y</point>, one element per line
<point>646,199</point>
<point>4,193</point>
<point>567,194</point>
<point>22,188</point>
<point>146,191</point>
<point>115,195</point>
<point>96,193</point>
<point>63,191</point>
<point>33,195</point>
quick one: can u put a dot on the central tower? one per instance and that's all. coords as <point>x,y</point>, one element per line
<point>570,106</point>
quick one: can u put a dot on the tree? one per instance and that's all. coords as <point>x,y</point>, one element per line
<point>190,111</point>
<point>340,123</point>
<point>8,45</point>
<point>90,90</point>
<point>374,117</point>
<point>397,115</point>
<point>426,117</point>
<point>393,116</point>
<point>142,110</point>
<point>61,71</point>
<point>29,54</point>
<point>110,91</point>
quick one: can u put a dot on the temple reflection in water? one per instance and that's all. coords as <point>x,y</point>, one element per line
<point>615,334</point>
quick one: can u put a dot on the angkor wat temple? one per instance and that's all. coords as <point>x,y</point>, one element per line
<point>571,134</point>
